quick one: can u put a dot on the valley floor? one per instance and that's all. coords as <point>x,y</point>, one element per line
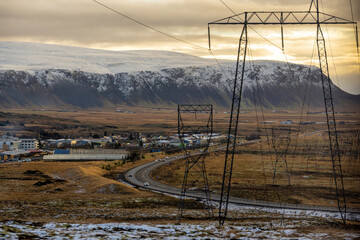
<point>68,200</point>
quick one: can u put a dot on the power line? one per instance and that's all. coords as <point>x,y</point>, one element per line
<point>147,26</point>
<point>307,88</point>
<point>333,60</point>
<point>352,14</point>
<point>250,26</point>
<point>217,61</point>
<point>283,51</point>
<point>261,104</point>
<point>163,33</point>
<point>355,33</point>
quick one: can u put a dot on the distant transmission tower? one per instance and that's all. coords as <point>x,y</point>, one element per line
<point>195,162</point>
<point>281,145</point>
<point>282,18</point>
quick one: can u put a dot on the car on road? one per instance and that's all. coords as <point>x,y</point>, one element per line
<point>129,175</point>
<point>146,184</point>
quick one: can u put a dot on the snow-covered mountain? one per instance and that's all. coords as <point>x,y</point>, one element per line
<point>41,75</point>
<point>35,56</point>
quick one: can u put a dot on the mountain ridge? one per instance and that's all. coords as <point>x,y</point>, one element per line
<point>167,79</point>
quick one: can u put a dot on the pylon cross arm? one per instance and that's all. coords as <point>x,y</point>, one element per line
<point>282,17</point>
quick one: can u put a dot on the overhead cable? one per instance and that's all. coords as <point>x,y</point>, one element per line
<point>355,32</point>
<point>147,26</point>
<point>251,26</point>
<point>163,33</point>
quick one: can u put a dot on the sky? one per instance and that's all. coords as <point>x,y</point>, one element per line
<point>85,23</point>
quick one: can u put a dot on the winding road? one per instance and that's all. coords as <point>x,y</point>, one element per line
<point>139,177</point>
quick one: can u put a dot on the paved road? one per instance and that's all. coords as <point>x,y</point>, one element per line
<point>140,175</point>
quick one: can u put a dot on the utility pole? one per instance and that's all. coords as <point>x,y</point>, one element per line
<point>281,18</point>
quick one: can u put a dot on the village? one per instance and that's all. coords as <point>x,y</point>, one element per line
<point>107,148</point>
<point>115,147</point>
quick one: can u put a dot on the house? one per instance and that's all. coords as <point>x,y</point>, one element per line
<point>201,141</point>
<point>15,154</point>
<point>80,142</point>
<point>63,143</point>
<point>268,122</point>
<point>58,142</point>
<point>188,142</point>
<point>287,122</point>
<point>163,143</point>
<point>99,141</point>
<point>9,145</point>
<point>175,143</point>
<point>306,123</point>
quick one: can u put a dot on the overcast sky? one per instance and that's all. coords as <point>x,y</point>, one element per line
<point>87,24</point>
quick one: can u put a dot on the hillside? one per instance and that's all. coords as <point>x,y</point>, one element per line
<point>40,75</point>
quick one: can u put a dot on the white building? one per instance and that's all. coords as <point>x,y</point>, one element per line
<point>9,143</point>
<point>29,144</point>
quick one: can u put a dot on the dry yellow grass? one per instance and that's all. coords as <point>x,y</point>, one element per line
<point>79,178</point>
<point>311,179</point>
<point>160,120</point>
<point>77,192</point>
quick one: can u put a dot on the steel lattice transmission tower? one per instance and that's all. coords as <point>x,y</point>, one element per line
<point>281,145</point>
<point>195,162</point>
<point>282,18</point>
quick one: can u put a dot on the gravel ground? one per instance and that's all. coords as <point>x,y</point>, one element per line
<point>254,228</point>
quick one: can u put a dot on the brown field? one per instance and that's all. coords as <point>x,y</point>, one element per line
<point>84,192</point>
<point>310,167</point>
<point>310,173</point>
<point>84,123</point>
<point>162,121</point>
<point>77,192</point>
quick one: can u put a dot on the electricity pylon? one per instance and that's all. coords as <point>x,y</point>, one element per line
<point>281,146</point>
<point>195,160</point>
<point>282,18</point>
